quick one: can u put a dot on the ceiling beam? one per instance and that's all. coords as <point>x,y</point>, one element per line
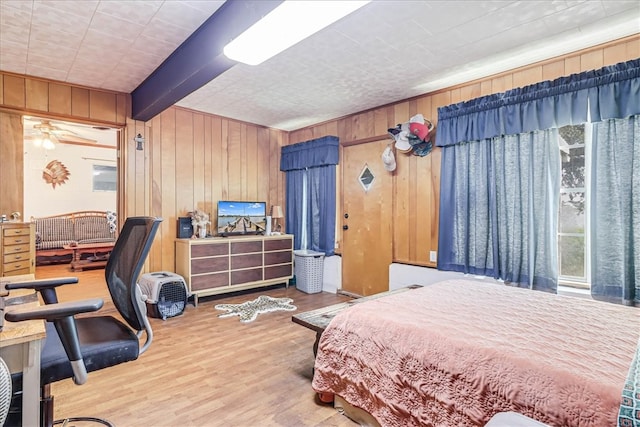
<point>198,60</point>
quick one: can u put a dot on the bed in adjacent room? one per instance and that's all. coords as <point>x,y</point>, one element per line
<point>457,352</point>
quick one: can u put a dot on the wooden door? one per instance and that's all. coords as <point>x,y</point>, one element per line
<point>367,248</point>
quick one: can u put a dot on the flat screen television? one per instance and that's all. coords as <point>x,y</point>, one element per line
<point>238,218</point>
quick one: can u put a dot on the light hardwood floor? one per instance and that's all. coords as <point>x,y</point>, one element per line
<point>202,370</point>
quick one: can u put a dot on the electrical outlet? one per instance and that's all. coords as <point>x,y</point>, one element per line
<point>433,256</point>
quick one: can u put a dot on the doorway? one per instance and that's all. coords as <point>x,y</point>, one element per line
<point>367,244</point>
<point>68,167</point>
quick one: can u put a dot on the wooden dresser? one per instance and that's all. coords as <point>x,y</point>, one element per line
<point>18,248</point>
<point>226,264</point>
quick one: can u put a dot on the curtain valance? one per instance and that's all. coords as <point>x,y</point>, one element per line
<point>612,92</point>
<point>316,152</point>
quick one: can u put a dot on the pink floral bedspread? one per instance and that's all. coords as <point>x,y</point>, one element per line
<point>457,352</point>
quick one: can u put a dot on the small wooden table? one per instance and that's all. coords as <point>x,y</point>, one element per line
<point>20,347</point>
<point>318,320</point>
<point>77,263</point>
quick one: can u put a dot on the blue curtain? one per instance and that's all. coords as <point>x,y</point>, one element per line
<point>498,209</point>
<point>311,190</point>
<point>499,191</point>
<point>612,92</point>
<point>294,204</point>
<point>615,211</point>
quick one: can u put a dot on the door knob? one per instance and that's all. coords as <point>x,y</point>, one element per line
<point>345,227</point>
<point>346,215</point>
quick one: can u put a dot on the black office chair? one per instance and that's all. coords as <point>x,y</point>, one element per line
<point>75,346</point>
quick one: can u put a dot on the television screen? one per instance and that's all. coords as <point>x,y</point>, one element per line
<point>241,217</point>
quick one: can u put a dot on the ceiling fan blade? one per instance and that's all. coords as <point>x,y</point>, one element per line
<point>48,126</point>
<point>74,139</point>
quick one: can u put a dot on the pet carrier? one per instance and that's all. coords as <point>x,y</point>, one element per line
<point>166,294</point>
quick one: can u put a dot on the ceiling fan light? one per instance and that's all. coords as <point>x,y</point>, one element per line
<point>285,26</point>
<point>48,144</point>
<point>37,142</point>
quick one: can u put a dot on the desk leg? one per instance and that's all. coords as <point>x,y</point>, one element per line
<point>31,384</point>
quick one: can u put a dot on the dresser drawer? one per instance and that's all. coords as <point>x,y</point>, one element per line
<point>271,258</point>
<point>16,257</point>
<point>278,244</point>
<point>213,249</point>
<point>212,264</point>
<point>14,249</point>
<point>246,247</point>
<point>16,231</point>
<point>16,239</point>
<point>22,267</point>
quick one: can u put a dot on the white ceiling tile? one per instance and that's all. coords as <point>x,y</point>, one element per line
<point>43,36</point>
<point>137,12</point>
<point>387,51</point>
<point>166,31</point>
<point>44,70</point>
<point>108,25</point>
<point>82,8</point>
<point>182,14</point>
<point>57,14</point>
<point>13,58</point>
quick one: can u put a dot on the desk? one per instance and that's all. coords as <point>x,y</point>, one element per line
<point>77,264</point>
<point>20,347</point>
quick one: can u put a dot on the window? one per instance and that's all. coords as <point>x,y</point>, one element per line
<point>573,260</point>
<point>104,178</point>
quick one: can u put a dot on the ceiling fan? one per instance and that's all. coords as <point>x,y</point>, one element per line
<point>45,134</point>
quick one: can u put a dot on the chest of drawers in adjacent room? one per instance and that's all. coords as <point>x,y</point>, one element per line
<point>17,245</point>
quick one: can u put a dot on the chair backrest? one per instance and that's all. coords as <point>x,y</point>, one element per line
<point>124,266</point>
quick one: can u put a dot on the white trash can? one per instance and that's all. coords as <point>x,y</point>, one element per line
<point>308,267</point>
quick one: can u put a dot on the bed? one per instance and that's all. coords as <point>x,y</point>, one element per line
<point>457,352</point>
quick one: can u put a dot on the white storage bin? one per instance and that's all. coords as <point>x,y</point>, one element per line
<point>308,266</point>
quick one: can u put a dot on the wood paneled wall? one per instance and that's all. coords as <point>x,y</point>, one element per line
<point>191,160</point>
<point>30,95</point>
<point>24,95</point>
<point>417,179</point>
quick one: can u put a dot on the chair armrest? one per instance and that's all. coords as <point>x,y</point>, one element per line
<point>61,314</point>
<point>51,312</point>
<point>42,283</point>
<point>46,287</point>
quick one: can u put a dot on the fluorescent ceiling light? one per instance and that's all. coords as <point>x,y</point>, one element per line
<point>286,25</point>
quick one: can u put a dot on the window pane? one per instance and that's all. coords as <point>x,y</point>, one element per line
<point>104,178</point>
<point>571,135</point>
<point>572,256</point>
<point>572,167</point>
<point>571,218</point>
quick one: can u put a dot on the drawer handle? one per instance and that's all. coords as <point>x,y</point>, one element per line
<point>18,240</point>
<point>18,257</point>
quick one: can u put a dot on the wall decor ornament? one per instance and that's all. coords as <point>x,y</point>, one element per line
<point>55,173</point>
<point>415,136</point>
<point>199,221</point>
